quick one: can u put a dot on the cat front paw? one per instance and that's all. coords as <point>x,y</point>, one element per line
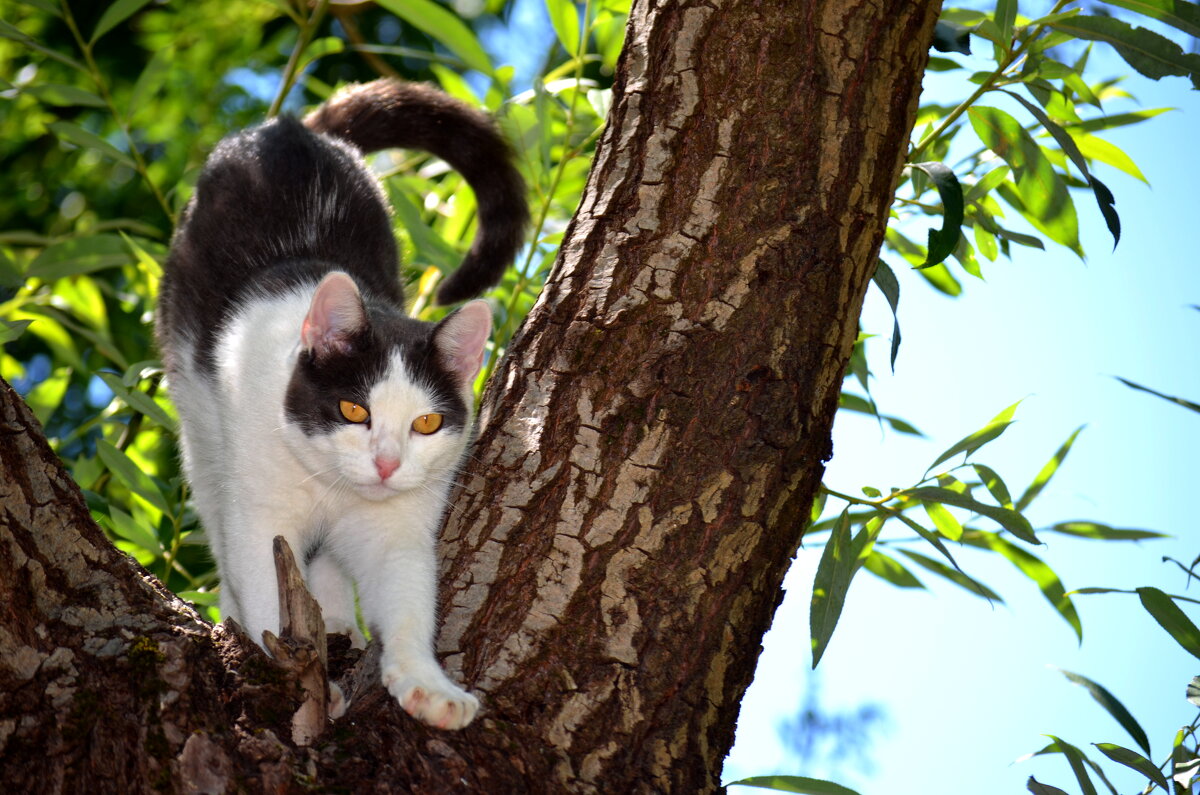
<point>431,699</point>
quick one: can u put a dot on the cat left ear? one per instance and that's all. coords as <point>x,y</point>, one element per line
<point>335,315</point>
<point>459,340</point>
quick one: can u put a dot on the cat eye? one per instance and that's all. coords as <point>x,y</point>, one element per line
<point>427,423</point>
<point>354,412</point>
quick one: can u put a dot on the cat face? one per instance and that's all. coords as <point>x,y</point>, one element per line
<point>379,402</point>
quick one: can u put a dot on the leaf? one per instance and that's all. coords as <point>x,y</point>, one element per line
<point>114,15</point>
<point>839,562</point>
<point>942,242</point>
<point>11,330</point>
<point>564,16</point>
<point>807,786</point>
<point>1041,194</point>
<point>891,570</point>
<point>1177,13</point>
<point>1047,471</point>
<point>995,486</point>
<point>1150,53</point>
<point>1005,17</point>
<point>953,575</point>
<point>443,26</point>
<point>1038,788</point>
<point>9,31</point>
<point>63,96</point>
<point>1102,532</point>
<point>137,400</point>
<point>78,255</point>
<point>1187,404</point>
<point>1134,761</point>
<point>1113,706</point>
<point>73,133</point>
<point>943,520</point>
<point>1104,196</point>
<point>885,279</point>
<point>132,530</point>
<point>128,473</point>
<point>951,37</point>
<point>1171,618</point>
<point>1095,148</point>
<point>1075,758</point>
<point>1036,569</point>
<point>972,442</point>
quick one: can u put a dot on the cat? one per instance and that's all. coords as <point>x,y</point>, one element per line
<point>311,406</point>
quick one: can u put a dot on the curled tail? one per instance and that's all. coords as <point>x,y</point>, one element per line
<point>390,113</point>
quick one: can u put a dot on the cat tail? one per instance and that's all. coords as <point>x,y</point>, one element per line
<point>389,113</point>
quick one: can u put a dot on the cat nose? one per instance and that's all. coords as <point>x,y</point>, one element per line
<point>386,466</point>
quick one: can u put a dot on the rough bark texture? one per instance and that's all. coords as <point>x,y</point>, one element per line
<point>648,454</point>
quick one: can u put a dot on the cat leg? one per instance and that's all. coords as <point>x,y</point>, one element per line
<point>397,585</point>
<point>334,592</point>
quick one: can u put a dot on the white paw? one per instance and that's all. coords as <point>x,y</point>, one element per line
<point>432,698</point>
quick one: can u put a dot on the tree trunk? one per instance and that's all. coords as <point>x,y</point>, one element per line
<point>648,454</point>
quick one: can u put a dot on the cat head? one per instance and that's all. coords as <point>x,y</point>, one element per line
<point>379,401</point>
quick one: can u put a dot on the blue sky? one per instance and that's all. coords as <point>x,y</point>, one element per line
<point>968,687</point>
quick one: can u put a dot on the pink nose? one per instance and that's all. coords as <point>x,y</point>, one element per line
<point>386,466</point>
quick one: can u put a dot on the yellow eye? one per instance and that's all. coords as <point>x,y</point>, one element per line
<point>353,411</point>
<point>427,423</point>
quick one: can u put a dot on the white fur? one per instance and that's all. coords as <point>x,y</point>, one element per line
<point>255,475</point>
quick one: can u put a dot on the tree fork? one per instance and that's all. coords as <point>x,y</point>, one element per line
<point>648,454</point>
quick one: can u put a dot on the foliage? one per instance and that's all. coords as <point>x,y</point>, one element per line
<point>111,108</point>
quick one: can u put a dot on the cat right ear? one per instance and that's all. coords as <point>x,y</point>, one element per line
<point>334,317</point>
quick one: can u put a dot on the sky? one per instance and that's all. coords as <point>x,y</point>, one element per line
<point>967,687</point>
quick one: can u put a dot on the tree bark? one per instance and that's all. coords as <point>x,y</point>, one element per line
<point>648,453</point>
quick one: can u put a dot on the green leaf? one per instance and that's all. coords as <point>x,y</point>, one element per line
<point>885,279</point>
<point>995,486</point>
<point>1075,759</point>
<point>955,576</point>
<point>1134,761</point>
<point>132,530</point>
<point>1187,404</point>
<point>78,255</point>
<point>1104,197</point>
<point>1102,532</point>
<point>1038,788</point>
<point>1171,618</point>
<point>63,96</point>
<point>138,401</point>
<point>11,330</point>
<point>128,473</point>
<point>74,134</point>
<point>1047,471</point>
<point>1151,54</point>
<point>9,31</point>
<point>807,786</point>
<point>942,242</point>
<point>839,562</point>
<point>564,16</point>
<point>1006,17</point>
<point>1037,570</point>
<point>114,15</point>
<point>943,520</point>
<point>1177,13</point>
<point>1113,706</point>
<point>445,27</point>
<point>972,442</point>
<point>1041,194</point>
<point>892,571</point>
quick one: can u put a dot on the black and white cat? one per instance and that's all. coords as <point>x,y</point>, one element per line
<point>312,407</point>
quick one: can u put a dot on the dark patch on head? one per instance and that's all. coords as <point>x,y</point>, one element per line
<point>318,384</point>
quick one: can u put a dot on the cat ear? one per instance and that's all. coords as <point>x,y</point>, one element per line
<point>459,340</point>
<point>334,317</point>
